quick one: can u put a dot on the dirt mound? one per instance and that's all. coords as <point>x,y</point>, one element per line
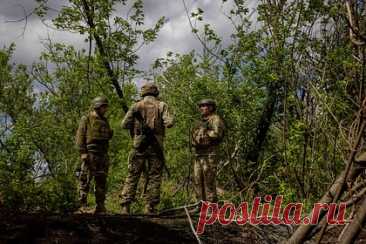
<point>89,228</point>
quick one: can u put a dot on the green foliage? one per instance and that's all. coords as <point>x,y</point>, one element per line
<point>287,87</point>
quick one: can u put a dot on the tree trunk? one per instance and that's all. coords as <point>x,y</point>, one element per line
<point>263,125</point>
<point>103,54</point>
<point>352,230</point>
<point>301,233</point>
<point>333,194</point>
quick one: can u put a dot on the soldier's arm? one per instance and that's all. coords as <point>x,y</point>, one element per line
<point>167,117</point>
<point>216,128</point>
<point>128,120</point>
<point>194,137</point>
<point>111,132</point>
<point>81,135</point>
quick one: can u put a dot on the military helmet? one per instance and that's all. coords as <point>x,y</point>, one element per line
<point>99,101</point>
<point>149,89</point>
<point>207,102</point>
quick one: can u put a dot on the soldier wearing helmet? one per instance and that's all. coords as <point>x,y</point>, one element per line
<point>149,89</point>
<point>99,102</point>
<point>206,137</point>
<point>152,115</point>
<point>92,139</point>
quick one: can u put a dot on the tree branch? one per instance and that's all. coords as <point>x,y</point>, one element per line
<point>103,54</point>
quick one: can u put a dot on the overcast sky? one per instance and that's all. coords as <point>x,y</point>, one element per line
<point>175,36</point>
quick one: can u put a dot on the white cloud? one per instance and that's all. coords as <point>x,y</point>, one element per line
<point>175,36</point>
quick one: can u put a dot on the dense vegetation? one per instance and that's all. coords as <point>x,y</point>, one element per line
<point>288,85</point>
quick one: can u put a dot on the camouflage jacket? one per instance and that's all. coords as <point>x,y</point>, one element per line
<point>207,134</point>
<point>93,133</point>
<point>155,114</point>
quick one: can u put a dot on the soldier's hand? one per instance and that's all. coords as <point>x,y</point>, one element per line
<point>78,171</point>
<point>84,156</point>
<point>205,126</point>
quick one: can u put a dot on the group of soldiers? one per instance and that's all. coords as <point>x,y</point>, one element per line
<point>146,121</point>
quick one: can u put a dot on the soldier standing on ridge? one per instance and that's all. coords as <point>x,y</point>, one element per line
<point>92,139</point>
<point>146,120</point>
<point>206,137</point>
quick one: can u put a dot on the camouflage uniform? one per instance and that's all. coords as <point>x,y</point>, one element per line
<point>156,116</point>
<point>206,137</point>
<point>92,138</point>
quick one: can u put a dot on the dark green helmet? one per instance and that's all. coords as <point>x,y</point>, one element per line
<point>99,101</point>
<point>207,102</point>
<point>149,89</point>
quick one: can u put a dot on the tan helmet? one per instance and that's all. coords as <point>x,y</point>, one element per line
<point>149,89</point>
<point>99,101</point>
<point>207,102</point>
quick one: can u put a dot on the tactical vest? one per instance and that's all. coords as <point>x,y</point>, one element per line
<point>151,113</point>
<point>221,138</point>
<point>201,137</point>
<point>98,130</point>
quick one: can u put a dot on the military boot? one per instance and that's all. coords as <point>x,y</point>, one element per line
<point>149,209</point>
<point>83,206</point>
<point>100,209</point>
<point>125,208</point>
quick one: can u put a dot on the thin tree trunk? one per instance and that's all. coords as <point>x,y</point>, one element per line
<point>263,125</point>
<point>352,230</point>
<point>334,193</point>
<point>301,233</point>
<point>103,54</point>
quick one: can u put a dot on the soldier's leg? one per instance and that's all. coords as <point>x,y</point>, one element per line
<point>209,172</point>
<point>198,179</point>
<point>135,167</point>
<point>101,173</point>
<point>154,177</point>
<point>84,183</point>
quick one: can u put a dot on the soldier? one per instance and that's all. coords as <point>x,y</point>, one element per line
<point>146,120</point>
<point>206,137</point>
<point>92,139</point>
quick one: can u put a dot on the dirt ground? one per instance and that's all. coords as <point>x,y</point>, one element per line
<point>89,228</point>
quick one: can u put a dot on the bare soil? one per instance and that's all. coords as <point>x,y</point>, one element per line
<point>89,228</point>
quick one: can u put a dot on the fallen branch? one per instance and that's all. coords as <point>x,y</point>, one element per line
<point>352,230</point>
<point>180,208</point>
<point>192,227</point>
<point>355,198</point>
<point>353,190</point>
<point>332,195</point>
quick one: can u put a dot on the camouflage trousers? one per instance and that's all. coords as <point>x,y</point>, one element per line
<point>152,167</point>
<point>96,166</point>
<point>204,174</point>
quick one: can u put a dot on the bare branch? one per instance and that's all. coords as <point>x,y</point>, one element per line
<point>191,225</point>
<point>24,18</point>
<point>355,36</point>
<point>198,37</point>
